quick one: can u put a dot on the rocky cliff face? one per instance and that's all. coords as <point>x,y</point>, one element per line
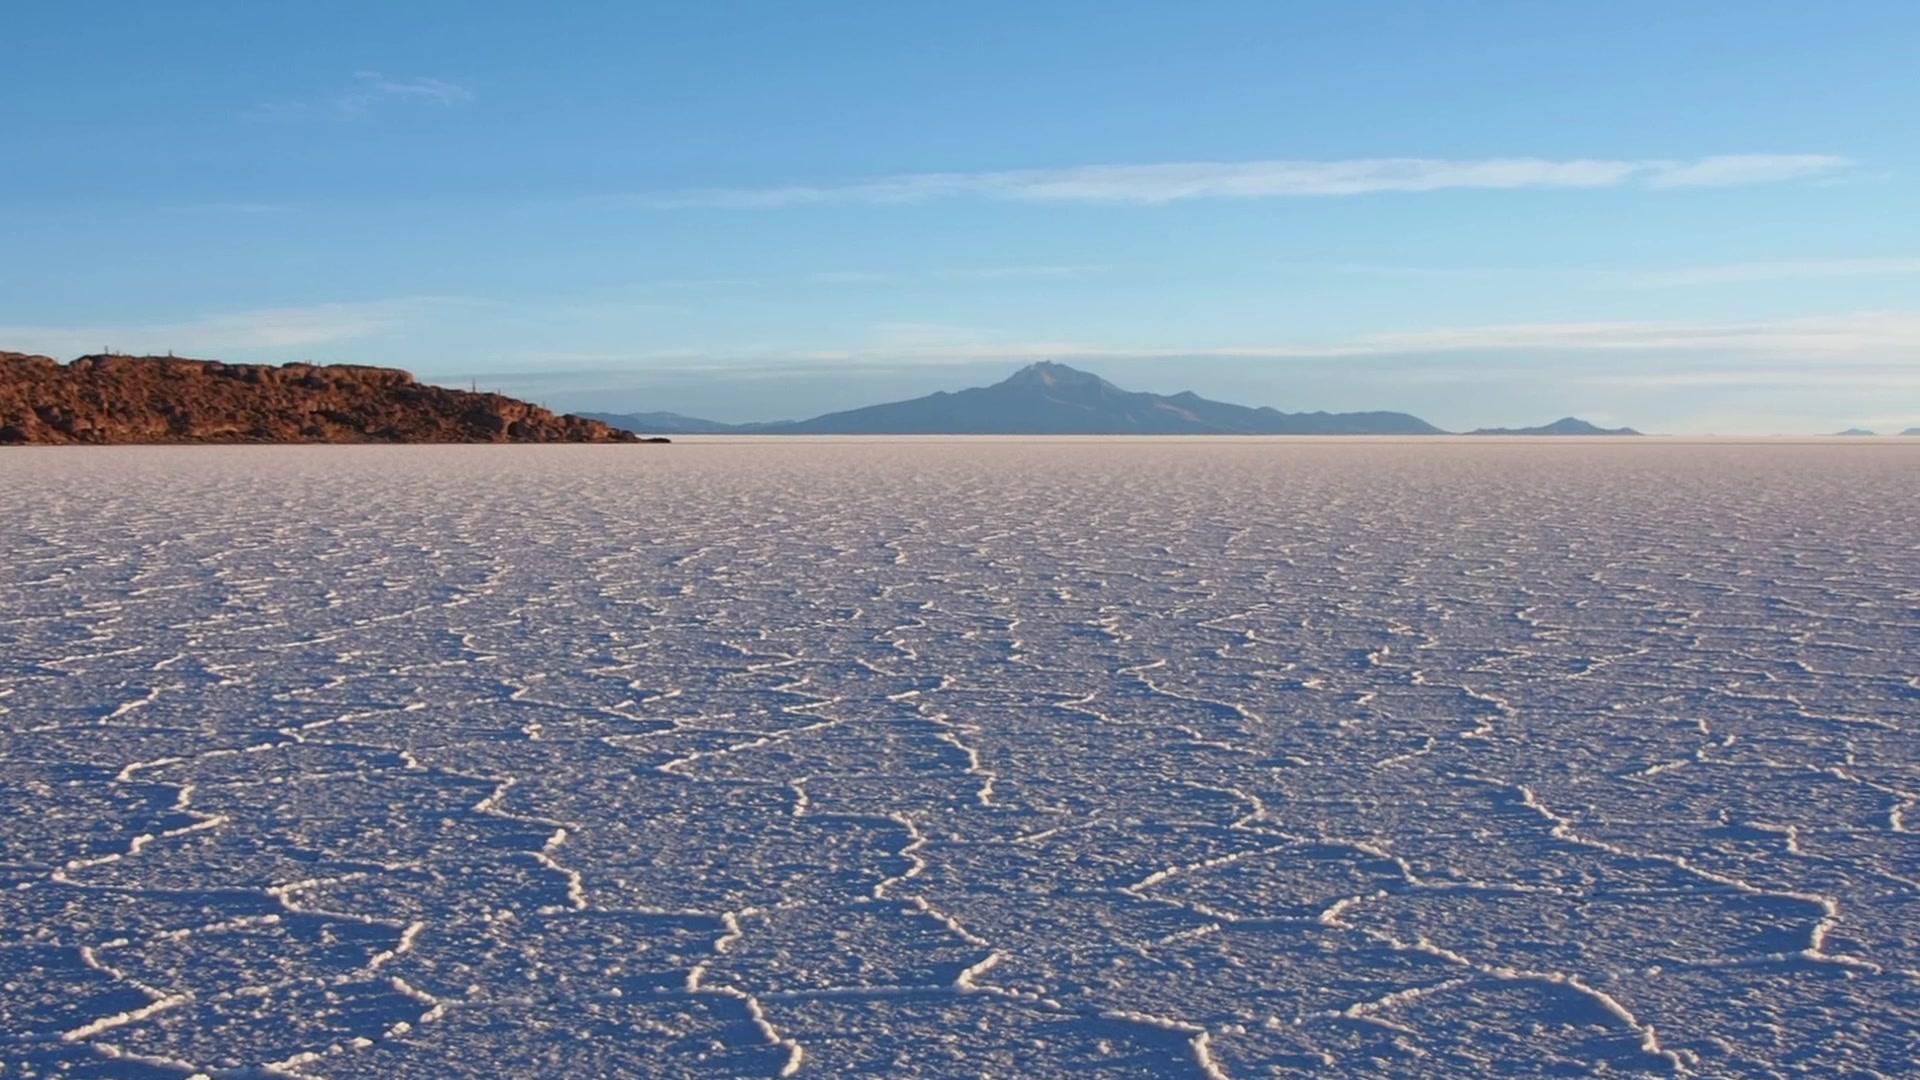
<point>161,399</point>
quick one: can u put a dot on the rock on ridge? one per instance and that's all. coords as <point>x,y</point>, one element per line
<point>163,399</point>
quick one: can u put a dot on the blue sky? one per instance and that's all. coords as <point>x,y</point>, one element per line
<point>1688,217</point>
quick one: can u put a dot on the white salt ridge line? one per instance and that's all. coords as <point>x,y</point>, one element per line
<point>1245,821</point>
<point>796,1054</point>
<point>576,885</point>
<point>953,925</point>
<point>730,922</point>
<point>289,1067</point>
<point>153,693</point>
<point>1678,1061</point>
<point>241,923</point>
<point>1330,917</point>
<point>125,775</point>
<point>409,933</point>
<point>1365,1010</point>
<point>1228,859</point>
<point>1790,833</point>
<point>150,1061</point>
<point>297,732</point>
<point>911,852</point>
<point>856,993</point>
<point>1649,1040</point>
<point>1047,834</point>
<point>1816,937</point>
<point>1199,1040</point>
<point>964,981</point>
<point>949,734</point>
<point>1197,738</point>
<point>183,800</point>
<point>408,938</point>
<point>675,767</point>
<point>91,961</point>
<point>1401,759</point>
<point>121,1019</point>
<point>436,1008</point>
<point>1198,932</point>
<point>1245,714</point>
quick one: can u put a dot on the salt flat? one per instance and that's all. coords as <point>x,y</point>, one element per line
<point>961,758</point>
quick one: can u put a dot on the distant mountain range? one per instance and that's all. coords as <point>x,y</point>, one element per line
<point>1566,425</point>
<point>1857,431</point>
<point>672,423</point>
<point>1048,398</point>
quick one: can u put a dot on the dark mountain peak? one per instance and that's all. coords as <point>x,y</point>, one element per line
<point>1051,375</point>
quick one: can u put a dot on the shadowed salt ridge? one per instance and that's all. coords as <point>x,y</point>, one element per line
<point>1110,759</point>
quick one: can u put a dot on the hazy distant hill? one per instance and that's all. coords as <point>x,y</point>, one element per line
<point>668,423</point>
<point>1911,431</point>
<point>1054,399</point>
<point>1566,425</point>
<point>1856,431</point>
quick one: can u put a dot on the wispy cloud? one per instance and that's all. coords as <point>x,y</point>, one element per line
<point>848,277</point>
<point>367,91</point>
<point>372,86</point>
<point>223,333</point>
<point>1831,335</point>
<point>1823,378</point>
<point>231,209</point>
<point>891,276</point>
<point>1889,338</point>
<point>1775,270</point>
<point>997,273</point>
<point>1173,182</point>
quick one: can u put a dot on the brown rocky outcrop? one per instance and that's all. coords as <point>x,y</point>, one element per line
<point>163,399</point>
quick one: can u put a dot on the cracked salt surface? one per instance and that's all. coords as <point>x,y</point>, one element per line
<point>963,758</point>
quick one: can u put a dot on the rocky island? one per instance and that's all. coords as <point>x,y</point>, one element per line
<point>163,399</point>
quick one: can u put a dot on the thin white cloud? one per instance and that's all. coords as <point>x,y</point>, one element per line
<point>1173,182</point>
<point>1814,336</point>
<point>993,273</point>
<point>1775,270</point>
<point>233,209</point>
<point>1891,338</point>
<point>1821,378</point>
<point>223,333</point>
<point>848,277</point>
<point>372,86</point>
<point>978,273</point>
<point>367,91</point>
<point>1734,169</point>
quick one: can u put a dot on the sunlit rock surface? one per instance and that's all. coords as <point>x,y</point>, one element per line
<point>963,758</point>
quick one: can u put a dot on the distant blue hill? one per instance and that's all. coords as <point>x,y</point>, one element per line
<point>665,423</point>
<point>1859,431</point>
<point>1566,425</point>
<point>1049,399</point>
